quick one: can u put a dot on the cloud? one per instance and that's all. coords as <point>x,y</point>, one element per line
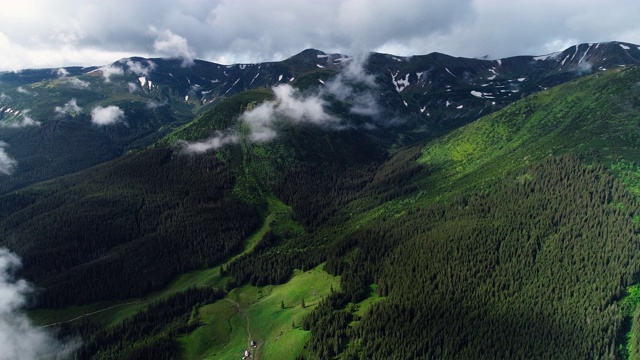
<point>7,163</point>
<point>109,115</point>
<point>57,33</point>
<point>77,83</point>
<point>22,90</point>
<point>139,68</point>
<point>169,44</point>
<point>352,86</point>
<point>25,121</point>
<point>153,103</point>
<point>132,87</point>
<point>109,71</point>
<point>61,72</point>
<point>71,107</point>
<point>213,143</point>
<point>19,339</point>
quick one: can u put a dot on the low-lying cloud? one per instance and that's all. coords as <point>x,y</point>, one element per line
<point>352,86</point>
<point>139,68</point>
<point>22,90</point>
<point>19,339</point>
<point>109,71</point>
<point>213,143</point>
<point>71,107</point>
<point>7,163</point>
<point>109,115</point>
<point>25,121</point>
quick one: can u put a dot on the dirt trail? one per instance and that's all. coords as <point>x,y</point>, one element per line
<point>90,313</point>
<point>254,351</point>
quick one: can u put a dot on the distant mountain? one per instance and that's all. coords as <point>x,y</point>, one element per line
<point>47,137</point>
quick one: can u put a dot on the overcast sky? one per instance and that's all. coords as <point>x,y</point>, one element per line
<point>54,33</point>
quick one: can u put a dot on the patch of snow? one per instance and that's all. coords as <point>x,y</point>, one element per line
<point>491,77</point>
<point>450,72</point>
<point>602,68</point>
<point>422,109</point>
<point>186,98</point>
<point>234,84</point>
<point>585,54</point>
<point>419,74</point>
<point>448,103</point>
<point>205,92</point>
<point>485,85</point>
<point>142,80</point>
<point>545,57</point>
<point>575,53</point>
<point>476,93</point>
<point>321,82</point>
<point>396,59</point>
<point>149,82</point>
<point>293,78</point>
<point>405,103</point>
<point>254,79</point>
<point>320,66</point>
<point>400,84</point>
<point>320,56</point>
<point>460,107</point>
<point>499,62</point>
<point>280,78</point>
<point>215,81</point>
<point>242,66</point>
<point>493,71</point>
<point>521,79</point>
<point>565,60</point>
<point>624,46</point>
<point>341,59</point>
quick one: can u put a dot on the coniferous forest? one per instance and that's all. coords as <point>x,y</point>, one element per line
<point>515,236</point>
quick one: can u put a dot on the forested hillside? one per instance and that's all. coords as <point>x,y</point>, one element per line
<point>354,235</point>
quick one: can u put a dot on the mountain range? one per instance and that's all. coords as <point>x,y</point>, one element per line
<point>330,206</point>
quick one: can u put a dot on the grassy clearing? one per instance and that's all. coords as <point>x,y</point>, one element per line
<point>271,325</point>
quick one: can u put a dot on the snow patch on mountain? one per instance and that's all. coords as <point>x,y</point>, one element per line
<point>624,46</point>
<point>400,84</point>
<point>449,72</point>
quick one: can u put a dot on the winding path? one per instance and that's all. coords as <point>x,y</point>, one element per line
<point>255,354</point>
<point>90,313</point>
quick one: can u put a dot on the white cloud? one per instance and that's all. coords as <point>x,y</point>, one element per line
<point>109,71</point>
<point>57,33</point>
<point>25,120</point>
<point>61,72</point>
<point>109,115</point>
<point>139,68</point>
<point>77,83</point>
<point>132,87</point>
<point>7,163</point>
<point>19,339</point>
<point>22,90</point>
<point>169,44</point>
<point>352,86</point>
<point>70,107</point>
<point>213,143</point>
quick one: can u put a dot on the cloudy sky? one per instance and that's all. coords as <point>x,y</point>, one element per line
<point>54,33</point>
